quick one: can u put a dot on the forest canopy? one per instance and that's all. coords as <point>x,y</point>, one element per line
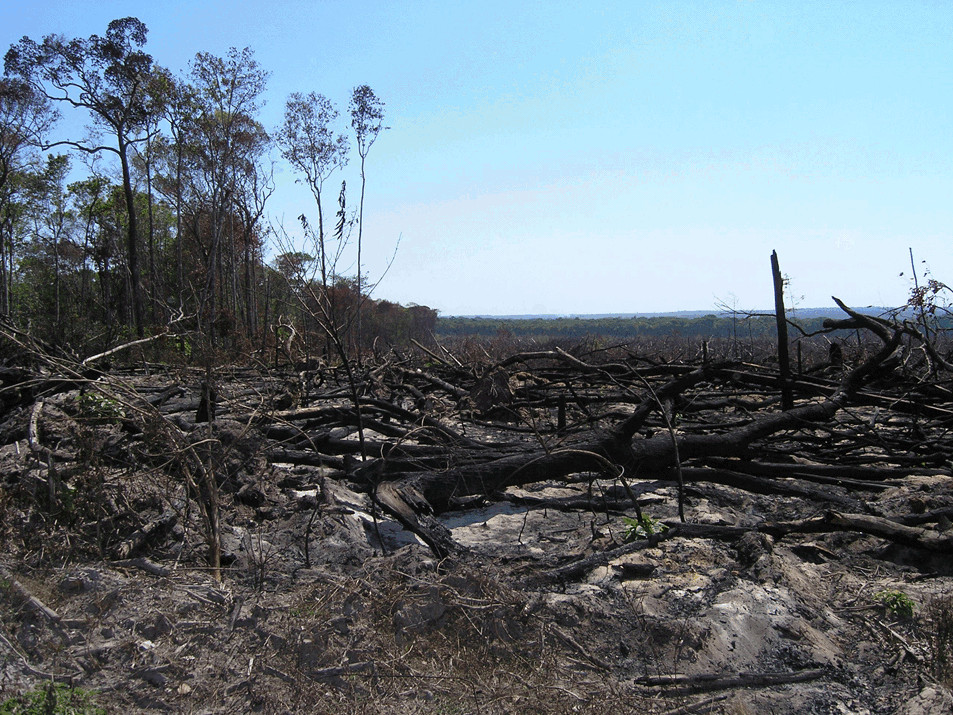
<point>154,219</point>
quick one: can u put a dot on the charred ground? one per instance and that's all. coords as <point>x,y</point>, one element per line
<point>483,529</point>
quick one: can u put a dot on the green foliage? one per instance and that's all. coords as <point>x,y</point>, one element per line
<point>99,408</point>
<point>367,116</point>
<point>642,528</point>
<point>184,346</point>
<point>53,699</point>
<point>897,603</point>
<point>184,224</point>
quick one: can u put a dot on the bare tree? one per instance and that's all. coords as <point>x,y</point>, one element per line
<point>367,117</point>
<point>309,143</point>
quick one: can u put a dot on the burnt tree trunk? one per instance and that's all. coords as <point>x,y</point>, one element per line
<point>784,358</point>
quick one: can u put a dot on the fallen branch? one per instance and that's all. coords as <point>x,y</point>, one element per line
<point>22,593</point>
<point>702,706</point>
<point>577,569</point>
<point>120,348</point>
<point>685,684</point>
<point>66,678</point>
<point>573,643</point>
<point>144,564</point>
<point>867,524</point>
<point>410,508</point>
<point>153,530</point>
<point>337,671</point>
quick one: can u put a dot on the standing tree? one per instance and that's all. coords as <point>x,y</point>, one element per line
<point>145,160</point>
<point>254,187</point>
<point>89,199</point>
<point>228,144</point>
<point>108,76</point>
<point>367,116</point>
<point>308,142</point>
<point>180,111</point>
<point>25,118</point>
<point>51,218</point>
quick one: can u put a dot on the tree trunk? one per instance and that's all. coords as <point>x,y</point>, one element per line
<point>784,360</point>
<point>132,241</point>
<point>153,278</point>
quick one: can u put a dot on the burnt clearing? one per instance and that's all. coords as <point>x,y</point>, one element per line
<point>591,529</point>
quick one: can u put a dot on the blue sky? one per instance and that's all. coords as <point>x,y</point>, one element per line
<point>554,157</point>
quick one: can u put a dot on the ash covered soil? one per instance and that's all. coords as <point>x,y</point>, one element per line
<point>558,601</point>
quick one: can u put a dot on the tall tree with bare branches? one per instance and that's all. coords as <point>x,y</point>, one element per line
<point>309,144</point>
<point>367,117</point>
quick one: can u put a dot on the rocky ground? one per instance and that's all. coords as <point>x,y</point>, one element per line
<point>557,602</point>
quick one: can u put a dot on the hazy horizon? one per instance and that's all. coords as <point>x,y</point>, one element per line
<point>831,310</point>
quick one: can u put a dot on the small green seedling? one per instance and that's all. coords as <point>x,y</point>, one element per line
<point>896,602</point>
<point>642,528</point>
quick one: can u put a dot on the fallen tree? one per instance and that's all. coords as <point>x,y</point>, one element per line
<point>425,433</point>
<point>672,502</point>
<point>614,449</point>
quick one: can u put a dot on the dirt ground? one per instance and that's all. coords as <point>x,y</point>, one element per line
<point>324,604</point>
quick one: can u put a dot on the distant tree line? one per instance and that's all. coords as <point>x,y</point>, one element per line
<point>738,327</point>
<point>156,214</point>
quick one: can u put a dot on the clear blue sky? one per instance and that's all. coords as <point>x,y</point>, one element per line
<point>638,156</point>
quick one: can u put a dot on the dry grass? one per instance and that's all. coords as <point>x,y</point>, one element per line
<point>939,616</point>
<point>438,643</point>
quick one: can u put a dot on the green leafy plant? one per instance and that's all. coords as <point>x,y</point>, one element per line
<point>642,527</point>
<point>897,603</point>
<point>52,699</point>
<point>99,408</point>
<point>184,346</point>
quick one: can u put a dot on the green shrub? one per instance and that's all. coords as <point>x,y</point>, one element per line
<point>52,699</point>
<point>642,528</point>
<point>896,602</point>
<point>99,408</point>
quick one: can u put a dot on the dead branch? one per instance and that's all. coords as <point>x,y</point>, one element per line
<point>686,684</point>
